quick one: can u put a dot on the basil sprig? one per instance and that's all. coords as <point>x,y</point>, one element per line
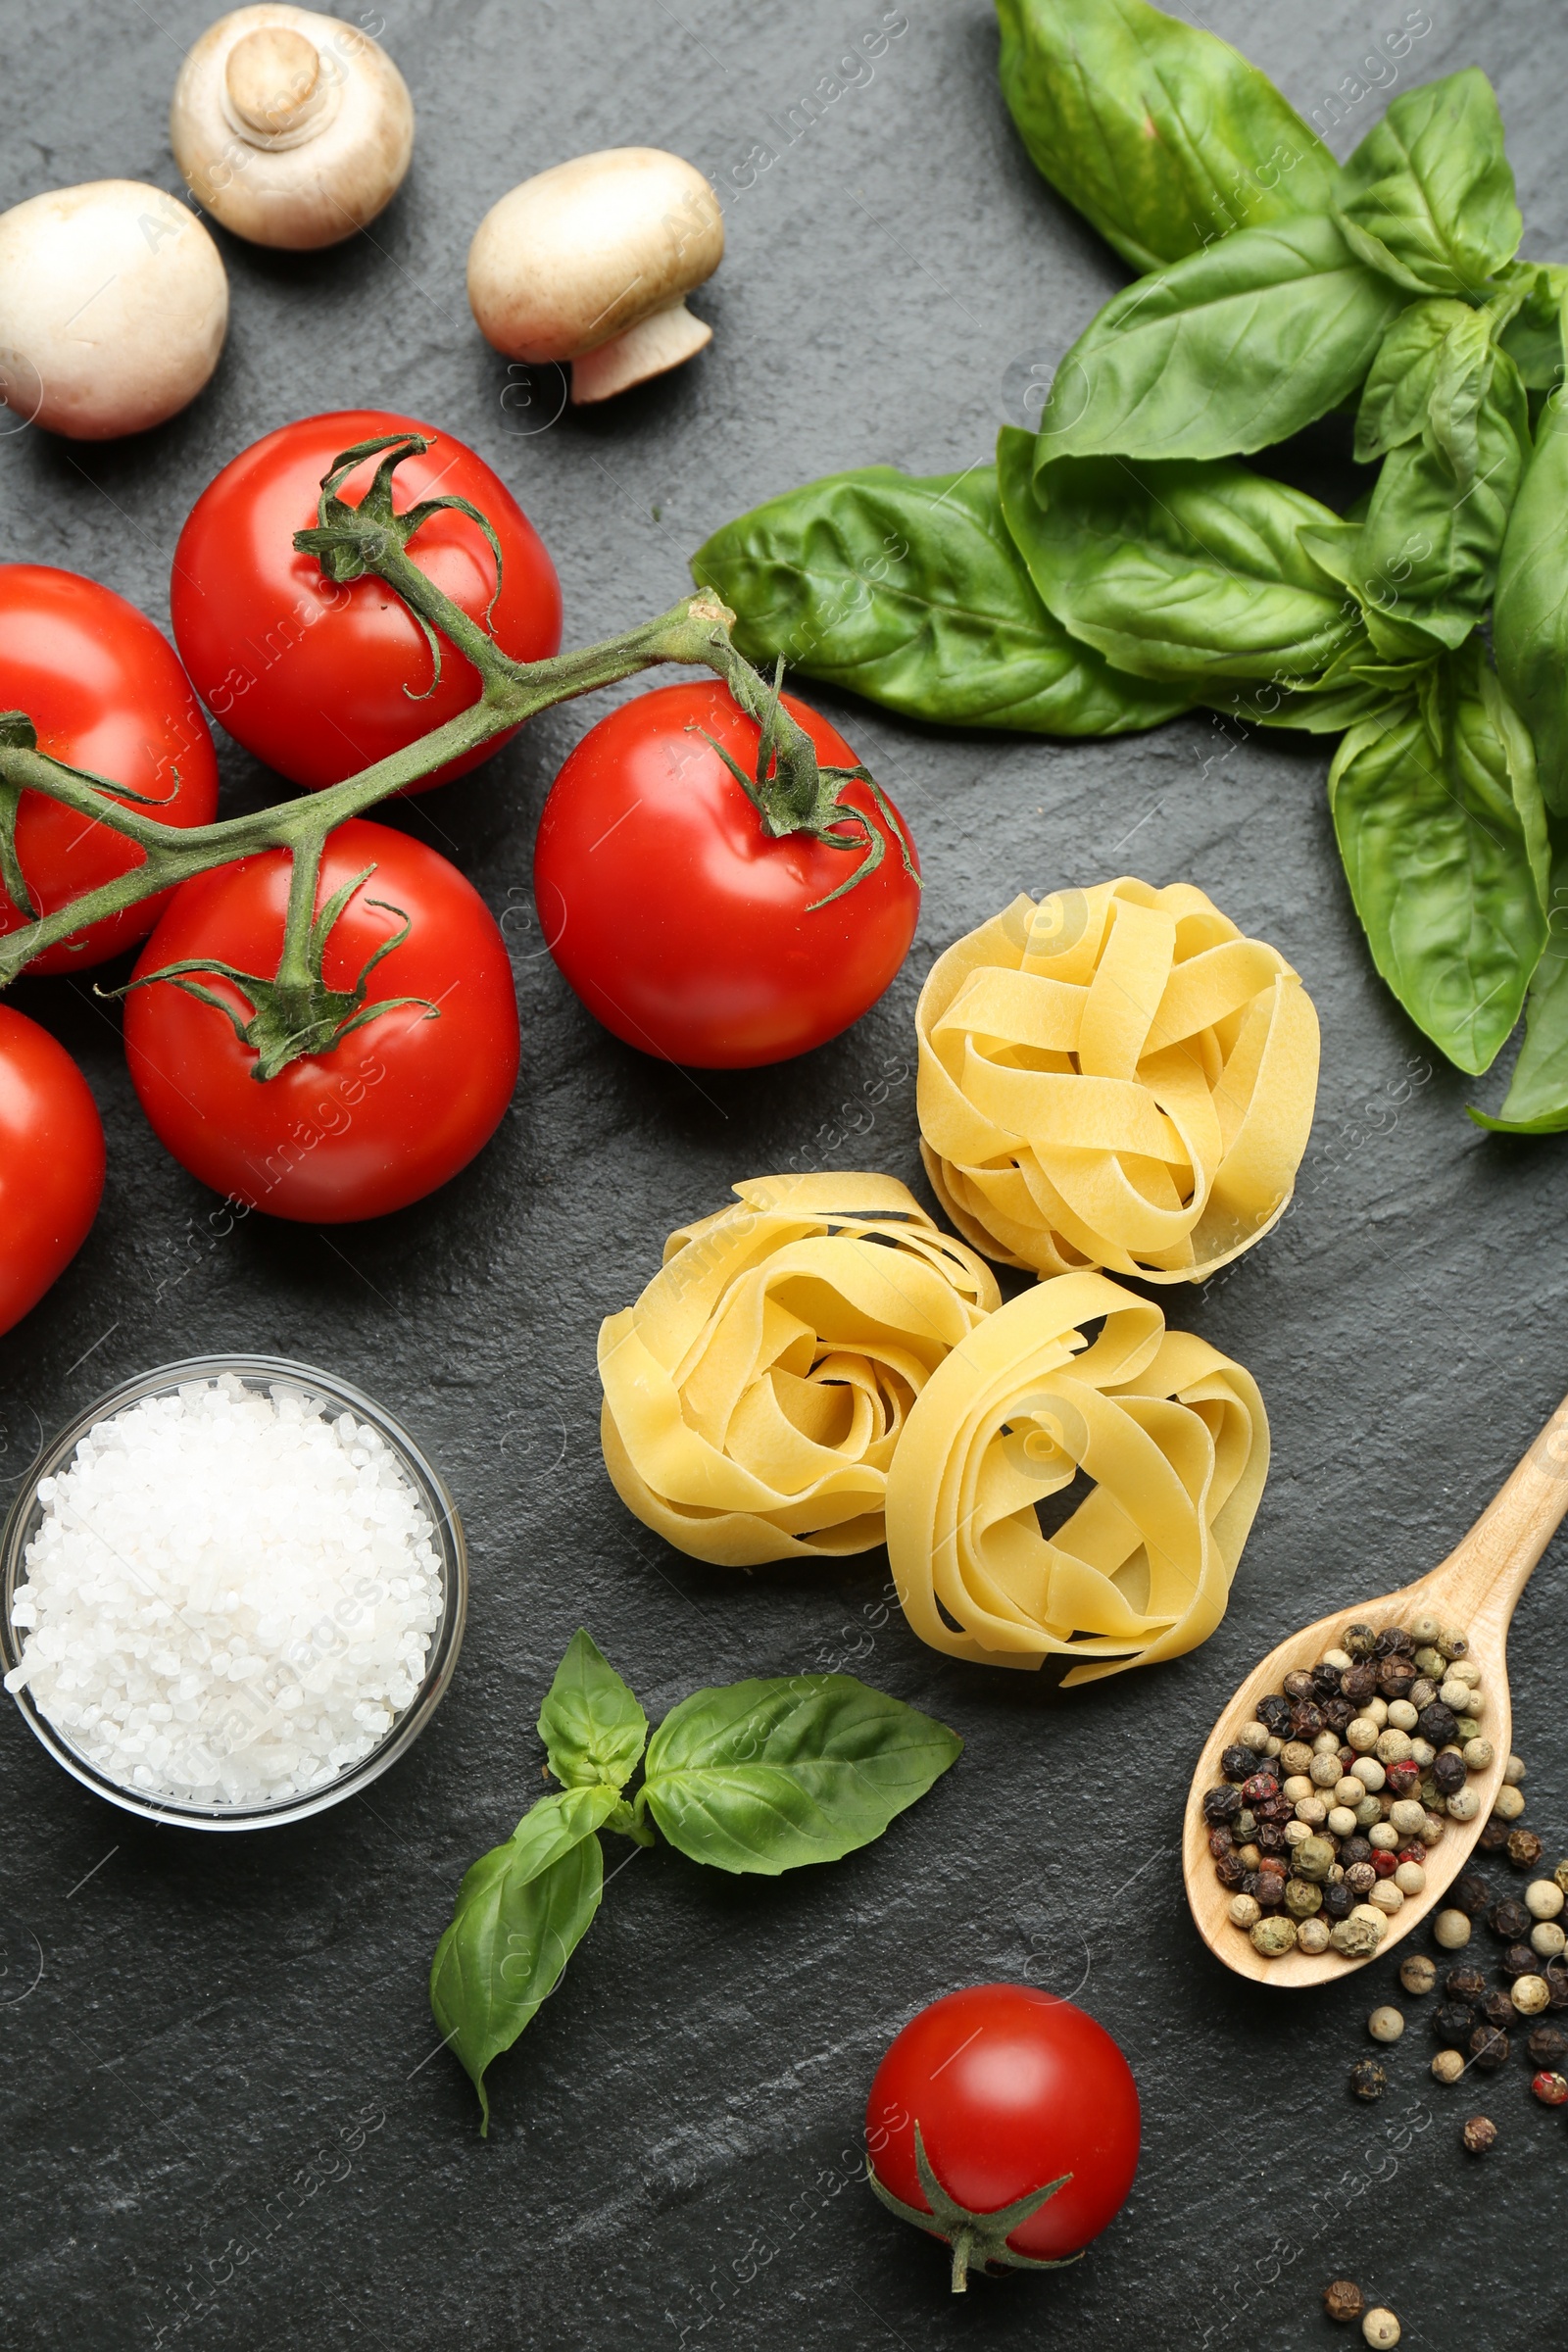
<point>1121,566</point>
<point>756,1777</point>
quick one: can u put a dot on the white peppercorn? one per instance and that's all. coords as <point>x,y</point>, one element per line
<point>1383,1833</point>
<point>1340,1659</point>
<point>1425,1630</point>
<point>1380,2329</point>
<point>1296,1755</point>
<point>1348,1790</point>
<point>1479,1755</point>
<point>1423,1752</point>
<point>1325,1771</point>
<point>1297,1832</point>
<point>1452,1641</point>
<point>1362,1735</point>
<point>1295,1786</point>
<point>1464,1670</point>
<point>1313,1811</point>
<point>1393,1747</point>
<point>1543,1899</point>
<point>1463,1805</point>
<point>1370,1773</point>
<point>1386,2024</point>
<point>1431,1829</point>
<point>1448,2066</point>
<point>1452,1931</point>
<point>1341,1820</point>
<point>1475,1706</point>
<point>1367,1912</point>
<point>1407,1817</point>
<point>1404,1716</point>
<point>1312,1936</point>
<point>1410,1879</point>
<point>1417,1973</point>
<point>1378,1710</point>
<point>1327,1743</point>
<point>1508,1805</point>
<point>1456,1694</point>
<point>1513,1772</point>
<point>1547,1939</point>
<point>1387,1896</point>
<point>1245,1911</point>
<point>1530,1995</point>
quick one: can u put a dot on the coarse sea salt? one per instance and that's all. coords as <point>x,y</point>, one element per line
<point>231,1596</point>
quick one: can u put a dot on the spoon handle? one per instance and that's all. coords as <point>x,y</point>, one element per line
<point>1484,1574</point>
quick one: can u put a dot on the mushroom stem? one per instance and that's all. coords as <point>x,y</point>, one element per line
<point>655,343</point>
<point>270,79</point>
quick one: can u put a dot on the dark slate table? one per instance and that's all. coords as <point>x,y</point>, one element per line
<point>675,2145</point>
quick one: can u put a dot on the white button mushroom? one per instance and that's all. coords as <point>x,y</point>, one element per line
<point>113,309</point>
<point>592,261</point>
<point>292,128</point>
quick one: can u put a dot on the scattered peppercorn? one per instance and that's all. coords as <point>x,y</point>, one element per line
<point>1524,1850</point>
<point>1453,2023</point>
<point>1498,2010</point>
<point>1530,1994</point>
<point>1450,1930</point>
<point>1342,2300</point>
<point>1368,2079</point>
<point>1556,1975</point>
<point>1470,1892</point>
<point>1448,2066</point>
<point>1465,1984</point>
<point>1547,2046</point>
<point>1494,1837</point>
<point>1479,2134</point>
<point>1550,2090</point>
<point>1489,2049</point>
<point>1509,1921</point>
<point>1380,2329</point>
<point>1360,1640</point>
<point>1386,2024</point>
<point>1519,1961</point>
<point>1418,1973</point>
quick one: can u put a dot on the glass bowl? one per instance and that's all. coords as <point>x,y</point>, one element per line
<point>261,1372</point>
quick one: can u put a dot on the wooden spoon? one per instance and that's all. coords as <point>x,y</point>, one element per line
<point>1476,1589</point>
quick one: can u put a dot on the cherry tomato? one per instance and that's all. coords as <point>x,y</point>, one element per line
<point>309,673</point>
<point>104,692</point>
<point>1012,2089</point>
<point>681,924</point>
<point>51,1162</point>
<point>396,1108</point>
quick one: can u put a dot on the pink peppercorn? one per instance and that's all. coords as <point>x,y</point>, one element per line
<point>1550,2090</point>
<point>1382,1862</point>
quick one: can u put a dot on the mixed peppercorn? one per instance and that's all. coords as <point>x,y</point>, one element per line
<point>1335,1794</point>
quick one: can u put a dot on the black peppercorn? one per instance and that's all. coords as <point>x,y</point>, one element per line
<point>1441,1725</point>
<point>1307,1719</point>
<point>1470,1894</point>
<point>1359,1849</point>
<point>1466,1984</point>
<point>1368,2079</point>
<point>1231,1870</point>
<point>1267,1889</point>
<point>1326,1681</point>
<point>1344,2300</point>
<point>1519,1961</point>
<point>1496,2009</point>
<point>1453,2023</point>
<point>1359,1641</point>
<point>1556,1975</point>
<point>1337,1715</point>
<point>1489,2049</point>
<point>1359,1684</point>
<point>1300,1685</point>
<point>1394,1642</point>
<point>1478,2136</point>
<point>1338,1900</point>
<point>1447,1770</point>
<point>1547,2046</point>
<point>1239,1763</point>
<point>1269,1837</point>
<point>1524,1848</point>
<point>1274,1714</point>
<point>1222,1803</point>
<point>1277,1808</point>
<point>1493,1835</point>
<point>1509,1921</point>
<point>1395,1677</point>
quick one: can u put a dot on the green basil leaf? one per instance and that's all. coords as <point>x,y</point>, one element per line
<point>1229,351</point>
<point>1430,546</point>
<point>1530,618</point>
<point>1443,835</point>
<point>522,1912</point>
<point>1188,573</point>
<point>591,1725</point>
<point>911,593</point>
<point>1531,331</point>
<point>1163,137</point>
<point>764,1776</point>
<point>1537,1100</point>
<point>1432,371</point>
<point>1428,197</point>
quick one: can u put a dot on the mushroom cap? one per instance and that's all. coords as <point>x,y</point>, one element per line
<point>114,303</point>
<point>580,253</point>
<point>310,165</point>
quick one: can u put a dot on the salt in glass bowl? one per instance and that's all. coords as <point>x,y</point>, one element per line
<point>259,1372</point>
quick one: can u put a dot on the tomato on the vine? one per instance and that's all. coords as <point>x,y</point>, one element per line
<point>392,1110</point>
<point>321,678</point>
<point>51,1162</point>
<point>1012,2090</point>
<point>680,922</point>
<point>105,693</point>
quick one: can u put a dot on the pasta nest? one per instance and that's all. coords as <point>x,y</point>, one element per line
<point>1115,1077</point>
<point>1174,1437</point>
<point>754,1395</point>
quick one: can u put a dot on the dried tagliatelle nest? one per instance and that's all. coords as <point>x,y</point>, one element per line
<point>1115,1077</point>
<point>1173,1435</point>
<point>755,1394</point>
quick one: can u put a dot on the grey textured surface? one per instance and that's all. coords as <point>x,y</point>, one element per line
<point>674,2138</point>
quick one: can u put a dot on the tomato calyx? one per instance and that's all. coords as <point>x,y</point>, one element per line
<point>353,543</point>
<point>977,2239</point>
<point>299,1015</point>
<point>792,794</point>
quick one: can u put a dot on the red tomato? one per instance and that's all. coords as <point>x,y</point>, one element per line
<point>679,922</point>
<point>394,1109</point>
<point>51,1162</point>
<point>309,673</point>
<point>1011,2087</point>
<point>105,693</point>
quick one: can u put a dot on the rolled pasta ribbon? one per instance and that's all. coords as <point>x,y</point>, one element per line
<point>1115,1077</point>
<point>1174,1436</point>
<point>755,1394</point>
